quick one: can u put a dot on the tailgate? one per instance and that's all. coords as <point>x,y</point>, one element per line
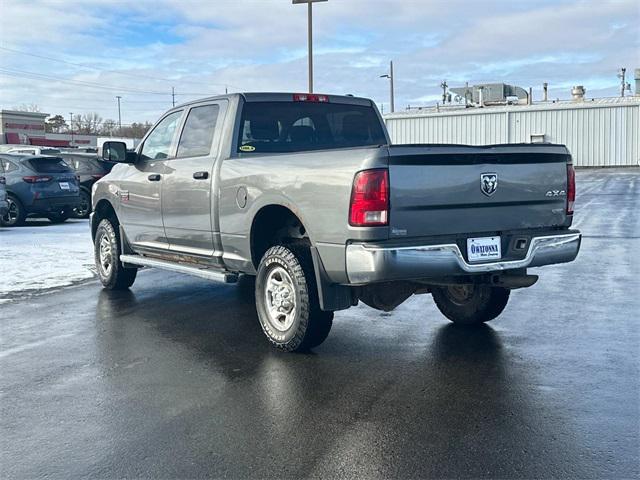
<point>452,189</point>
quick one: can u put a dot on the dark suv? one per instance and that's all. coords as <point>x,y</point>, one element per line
<point>39,186</point>
<point>89,168</point>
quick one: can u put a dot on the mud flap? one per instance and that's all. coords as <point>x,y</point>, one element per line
<point>332,296</point>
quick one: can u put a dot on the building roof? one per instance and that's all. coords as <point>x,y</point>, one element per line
<point>536,106</point>
<point>35,115</point>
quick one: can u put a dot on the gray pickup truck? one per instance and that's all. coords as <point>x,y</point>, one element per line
<point>307,193</point>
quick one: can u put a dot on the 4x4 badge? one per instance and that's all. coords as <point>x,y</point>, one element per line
<point>489,183</point>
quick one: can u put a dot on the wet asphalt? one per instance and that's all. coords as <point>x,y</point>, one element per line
<point>174,379</point>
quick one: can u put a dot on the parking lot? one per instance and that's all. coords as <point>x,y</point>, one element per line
<point>175,378</point>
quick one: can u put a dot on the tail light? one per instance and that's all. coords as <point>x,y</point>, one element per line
<point>310,97</point>
<point>571,188</point>
<point>37,179</point>
<point>370,199</point>
<point>3,181</point>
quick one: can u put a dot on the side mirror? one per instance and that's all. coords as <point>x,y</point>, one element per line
<point>117,152</point>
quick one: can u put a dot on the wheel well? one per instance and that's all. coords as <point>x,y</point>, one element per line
<point>272,225</point>
<point>103,210</point>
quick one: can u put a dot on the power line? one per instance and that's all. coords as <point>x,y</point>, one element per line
<point>91,67</point>
<point>41,76</point>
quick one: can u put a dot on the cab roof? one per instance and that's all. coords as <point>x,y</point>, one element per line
<point>280,97</point>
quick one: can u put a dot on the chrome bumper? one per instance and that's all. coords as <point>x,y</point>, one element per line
<point>368,264</point>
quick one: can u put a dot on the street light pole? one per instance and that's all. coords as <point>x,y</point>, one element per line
<point>310,43</point>
<point>119,116</point>
<point>71,127</point>
<point>309,35</point>
<point>390,77</point>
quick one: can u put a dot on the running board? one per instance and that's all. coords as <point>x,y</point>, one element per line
<point>214,274</point>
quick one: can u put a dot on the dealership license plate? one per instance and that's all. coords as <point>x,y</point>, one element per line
<point>483,249</point>
<point>64,185</point>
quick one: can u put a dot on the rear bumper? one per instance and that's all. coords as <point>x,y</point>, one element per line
<point>54,205</point>
<point>369,264</point>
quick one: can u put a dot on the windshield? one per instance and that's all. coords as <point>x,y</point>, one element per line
<point>48,165</point>
<point>279,127</point>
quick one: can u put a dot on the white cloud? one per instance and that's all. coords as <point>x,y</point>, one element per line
<point>201,46</point>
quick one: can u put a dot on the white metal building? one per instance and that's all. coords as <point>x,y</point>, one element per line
<point>598,132</point>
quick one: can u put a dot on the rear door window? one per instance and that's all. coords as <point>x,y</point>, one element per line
<point>8,166</point>
<point>157,146</point>
<point>281,127</point>
<point>198,130</point>
<point>48,165</point>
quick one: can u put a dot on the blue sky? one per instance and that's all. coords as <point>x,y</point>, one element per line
<point>77,55</point>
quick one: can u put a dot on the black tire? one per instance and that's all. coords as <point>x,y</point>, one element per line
<point>111,272</point>
<point>470,304</point>
<point>16,216</point>
<point>83,210</point>
<point>304,324</point>
<point>56,218</point>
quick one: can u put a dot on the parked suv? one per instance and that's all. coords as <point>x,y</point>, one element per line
<point>89,168</point>
<point>307,193</point>
<point>39,186</point>
<point>28,150</point>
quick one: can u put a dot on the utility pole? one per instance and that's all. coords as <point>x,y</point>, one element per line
<point>173,96</point>
<point>119,116</point>
<point>444,87</point>
<point>309,35</point>
<point>391,92</point>
<point>621,76</point>
<point>71,126</point>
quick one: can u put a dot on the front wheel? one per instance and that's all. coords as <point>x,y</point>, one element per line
<point>16,215</point>
<point>111,272</point>
<point>287,300</point>
<point>470,304</point>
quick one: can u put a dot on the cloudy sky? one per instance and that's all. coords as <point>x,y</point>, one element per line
<point>77,55</point>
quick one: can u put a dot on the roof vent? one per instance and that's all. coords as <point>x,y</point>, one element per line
<point>577,93</point>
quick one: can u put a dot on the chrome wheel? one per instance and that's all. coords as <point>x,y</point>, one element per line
<point>280,296</point>
<point>11,217</point>
<point>105,255</point>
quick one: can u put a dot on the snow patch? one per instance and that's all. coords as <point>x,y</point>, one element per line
<point>41,255</point>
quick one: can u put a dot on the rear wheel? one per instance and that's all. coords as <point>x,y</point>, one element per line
<point>470,304</point>
<point>16,215</point>
<point>287,300</point>
<point>84,207</point>
<point>111,272</point>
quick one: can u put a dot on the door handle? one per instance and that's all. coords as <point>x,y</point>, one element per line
<point>154,177</point>
<point>201,175</point>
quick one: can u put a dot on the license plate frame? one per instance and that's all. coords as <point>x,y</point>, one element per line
<point>484,249</point>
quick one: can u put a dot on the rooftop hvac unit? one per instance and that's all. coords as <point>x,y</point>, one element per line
<point>490,93</point>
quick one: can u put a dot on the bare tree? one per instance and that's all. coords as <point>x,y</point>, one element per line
<point>109,127</point>
<point>87,124</point>
<point>136,130</point>
<point>31,107</point>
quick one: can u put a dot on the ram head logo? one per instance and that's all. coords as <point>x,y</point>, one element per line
<point>489,183</point>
